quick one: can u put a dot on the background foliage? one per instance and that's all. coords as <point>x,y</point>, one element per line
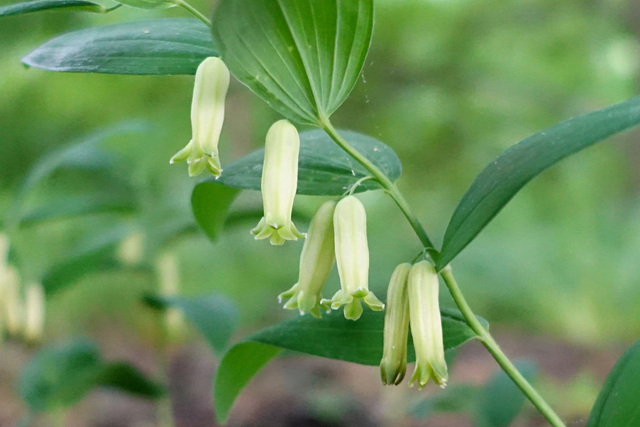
<point>447,84</point>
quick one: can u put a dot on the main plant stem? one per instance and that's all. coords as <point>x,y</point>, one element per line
<point>483,334</point>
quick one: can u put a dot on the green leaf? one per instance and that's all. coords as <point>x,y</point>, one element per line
<point>214,316</point>
<point>333,337</point>
<point>324,169</point>
<point>149,4</point>
<point>514,168</point>
<point>72,206</point>
<point>210,203</point>
<point>501,400</point>
<point>59,376</point>
<point>241,363</point>
<point>303,57</point>
<point>155,46</point>
<point>96,254</point>
<point>617,403</point>
<point>39,5</point>
<point>129,379</point>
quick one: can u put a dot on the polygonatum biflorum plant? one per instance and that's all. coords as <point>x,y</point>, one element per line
<point>303,58</point>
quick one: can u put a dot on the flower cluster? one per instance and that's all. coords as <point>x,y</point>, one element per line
<point>337,234</point>
<point>412,299</point>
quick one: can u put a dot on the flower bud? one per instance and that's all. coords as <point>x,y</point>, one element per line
<point>169,286</point>
<point>279,184</point>
<point>207,115</point>
<point>352,257</point>
<point>34,313</point>
<point>316,262</point>
<point>426,325</point>
<point>393,365</point>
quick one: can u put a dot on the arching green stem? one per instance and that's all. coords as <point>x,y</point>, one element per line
<point>483,334</point>
<point>192,10</point>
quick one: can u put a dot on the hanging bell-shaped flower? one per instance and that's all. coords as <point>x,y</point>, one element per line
<point>316,262</point>
<point>207,115</point>
<point>426,325</point>
<point>352,257</point>
<point>393,365</point>
<point>279,184</point>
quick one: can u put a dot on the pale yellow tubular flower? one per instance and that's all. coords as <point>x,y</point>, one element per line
<point>316,261</point>
<point>426,326</point>
<point>279,184</point>
<point>393,365</point>
<point>168,274</point>
<point>35,309</point>
<point>207,116</point>
<point>352,258</point>
<point>12,301</point>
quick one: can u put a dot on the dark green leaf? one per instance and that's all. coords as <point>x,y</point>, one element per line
<point>59,376</point>
<point>39,5</point>
<point>127,378</point>
<point>617,403</point>
<point>155,46</point>
<point>210,203</point>
<point>510,171</point>
<point>501,400</point>
<point>302,57</point>
<point>333,336</point>
<point>324,169</point>
<point>241,363</point>
<point>214,316</point>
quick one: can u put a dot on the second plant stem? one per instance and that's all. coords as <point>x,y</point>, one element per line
<point>483,334</point>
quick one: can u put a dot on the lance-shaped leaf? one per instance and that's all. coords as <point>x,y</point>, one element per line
<point>518,165</point>
<point>302,57</point>
<point>149,4</point>
<point>40,5</point>
<point>617,403</point>
<point>60,375</point>
<point>155,46</point>
<point>333,337</point>
<point>323,168</point>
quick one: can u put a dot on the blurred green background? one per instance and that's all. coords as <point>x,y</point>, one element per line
<point>449,84</point>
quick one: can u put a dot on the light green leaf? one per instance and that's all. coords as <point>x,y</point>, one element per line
<point>210,203</point>
<point>514,168</point>
<point>333,337</point>
<point>149,4</point>
<point>40,5</point>
<point>155,46</point>
<point>303,57</point>
<point>96,254</point>
<point>59,376</point>
<point>617,403</point>
<point>324,169</point>
<point>72,206</point>
<point>214,316</point>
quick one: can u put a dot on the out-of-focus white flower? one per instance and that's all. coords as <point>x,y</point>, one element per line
<point>34,316</point>
<point>279,184</point>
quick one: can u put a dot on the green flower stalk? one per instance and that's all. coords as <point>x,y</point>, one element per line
<point>316,262</point>
<point>207,116</point>
<point>426,326</point>
<point>352,257</point>
<point>393,365</point>
<point>279,184</point>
